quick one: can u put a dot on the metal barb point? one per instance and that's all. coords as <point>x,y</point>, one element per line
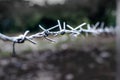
<point>63,29</point>
<point>14,53</point>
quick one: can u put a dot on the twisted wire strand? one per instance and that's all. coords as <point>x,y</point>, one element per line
<point>63,29</point>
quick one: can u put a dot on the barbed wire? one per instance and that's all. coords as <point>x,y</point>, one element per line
<point>63,29</point>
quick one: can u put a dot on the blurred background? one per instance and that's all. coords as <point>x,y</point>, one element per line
<point>91,58</point>
<point>19,15</point>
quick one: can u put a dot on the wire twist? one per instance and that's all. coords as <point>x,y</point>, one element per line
<point>63,29</point>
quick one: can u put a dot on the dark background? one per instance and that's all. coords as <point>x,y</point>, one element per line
<point>19,15</point>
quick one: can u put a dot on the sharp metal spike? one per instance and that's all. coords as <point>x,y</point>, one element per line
<point>52,27</point>
<point>25,34</point>
<point>88,26</point>
<point>49,39</point>
<point>80,26</point>
<point>96,25</point>
<point>60,28</point>
<point>102,25</point>
<point>70,27</point>
<point>42,28</point>
<point>31,41</point>
<point>64,26</point>
<point>14,53</point>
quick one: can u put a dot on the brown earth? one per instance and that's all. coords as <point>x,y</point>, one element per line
<point>91,59</point>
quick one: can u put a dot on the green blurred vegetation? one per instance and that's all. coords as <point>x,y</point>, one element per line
<point>19,16</point>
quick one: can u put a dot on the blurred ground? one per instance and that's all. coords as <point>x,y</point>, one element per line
<point>91,58</point>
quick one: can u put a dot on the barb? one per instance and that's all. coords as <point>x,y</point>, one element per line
<point>74,31</point>
<point>14,53</point>
<point>46,33</point>
<point>63,29</point>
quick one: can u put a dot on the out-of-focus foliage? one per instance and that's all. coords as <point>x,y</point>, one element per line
<point>19,15</point>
